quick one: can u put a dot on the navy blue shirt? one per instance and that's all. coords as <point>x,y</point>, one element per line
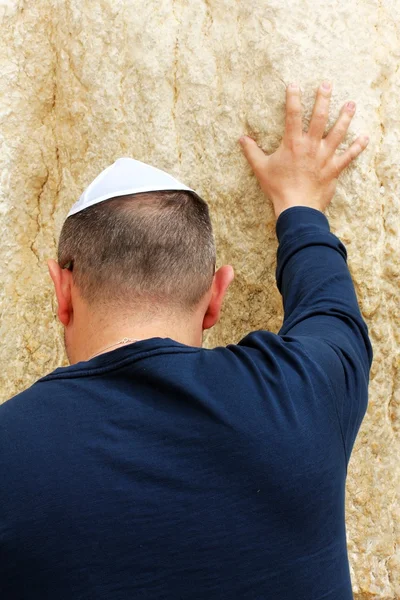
<point>165,471</point>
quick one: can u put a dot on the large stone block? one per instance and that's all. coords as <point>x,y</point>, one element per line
<point>175,84</point>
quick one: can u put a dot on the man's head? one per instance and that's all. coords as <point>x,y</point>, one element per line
<point>138,259</point>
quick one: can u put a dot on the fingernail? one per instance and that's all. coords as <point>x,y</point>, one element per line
<point>326,85</point>
<point>242,139</point>
<point>351,105</point>
<point>294,86</point>
<point>366,139</point>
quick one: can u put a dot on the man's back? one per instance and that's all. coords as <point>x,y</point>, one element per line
<point>161,470</point>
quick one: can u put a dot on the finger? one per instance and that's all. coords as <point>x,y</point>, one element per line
<point>338,132</point>
<point>319,117</point>
<point>343,160</point>
<point>294,113</point>
<point>253,153</point>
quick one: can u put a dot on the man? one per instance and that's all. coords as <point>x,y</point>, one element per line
<point>153,468</point>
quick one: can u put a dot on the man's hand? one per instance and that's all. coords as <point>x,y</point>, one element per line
<point>305,168</point>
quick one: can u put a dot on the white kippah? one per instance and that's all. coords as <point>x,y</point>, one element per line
<point>126,176</point>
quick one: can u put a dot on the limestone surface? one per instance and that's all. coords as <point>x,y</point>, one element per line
<point>175,83</point>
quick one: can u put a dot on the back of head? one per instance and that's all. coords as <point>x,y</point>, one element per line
<point>149,250</point>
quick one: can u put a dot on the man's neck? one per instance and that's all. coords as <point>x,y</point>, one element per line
<point>99,337</point>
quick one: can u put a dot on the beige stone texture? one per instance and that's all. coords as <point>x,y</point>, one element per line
<point>175,83</point>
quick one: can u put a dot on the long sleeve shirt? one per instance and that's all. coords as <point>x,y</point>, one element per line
<point>164,471</point>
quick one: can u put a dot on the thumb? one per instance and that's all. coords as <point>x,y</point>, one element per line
<point>255,156</point>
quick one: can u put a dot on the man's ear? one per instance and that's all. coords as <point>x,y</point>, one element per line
<point>62,280</point>
<point>222,280</point>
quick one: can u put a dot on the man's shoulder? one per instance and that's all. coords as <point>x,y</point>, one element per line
<point>31,397</point>
<point>22,408</point>
<point>15,402</point>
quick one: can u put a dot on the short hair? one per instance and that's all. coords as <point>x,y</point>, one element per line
<point>154,246</point>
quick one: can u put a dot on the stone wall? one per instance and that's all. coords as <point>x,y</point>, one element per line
<point>175,83</point>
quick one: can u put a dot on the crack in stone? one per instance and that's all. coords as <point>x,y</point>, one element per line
<point>53,126</point>
<point>209,11</point>
<point>33,246</point>
<point>123,77</point>
<point>383,82</point>
<point>395,372</point>
<point>174,82</point>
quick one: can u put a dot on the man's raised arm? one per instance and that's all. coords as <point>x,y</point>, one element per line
<point>318,294</point>
<point>320,305</point>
